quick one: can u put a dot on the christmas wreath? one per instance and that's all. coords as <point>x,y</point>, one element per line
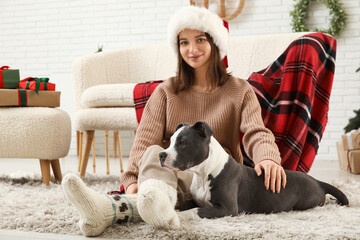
<point>338,16</point>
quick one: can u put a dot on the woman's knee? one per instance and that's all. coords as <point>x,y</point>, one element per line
<point>151,155</point>
<point>150,168</point>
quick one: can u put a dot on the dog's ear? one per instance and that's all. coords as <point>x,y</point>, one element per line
<point>203,129</point>
<point>179,126</point>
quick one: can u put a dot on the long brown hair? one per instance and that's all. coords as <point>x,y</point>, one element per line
<point>216,72</point>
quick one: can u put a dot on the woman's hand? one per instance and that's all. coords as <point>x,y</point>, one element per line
<point>132,188</point>
<point>274,174</point>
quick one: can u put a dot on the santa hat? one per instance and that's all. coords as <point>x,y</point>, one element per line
<point>200,19</point>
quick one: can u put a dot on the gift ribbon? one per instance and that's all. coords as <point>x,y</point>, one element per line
<point>38,82</point>
<point>1,76</point>
<point>349,139</point>
<point>22,97</point>
<point>348,160</point>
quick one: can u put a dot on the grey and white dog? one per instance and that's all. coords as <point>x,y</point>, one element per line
<point>222,187</point>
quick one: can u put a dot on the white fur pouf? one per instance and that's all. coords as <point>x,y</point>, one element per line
<point>34,132</point>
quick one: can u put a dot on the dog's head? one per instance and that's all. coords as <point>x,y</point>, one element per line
<point>189,146</point>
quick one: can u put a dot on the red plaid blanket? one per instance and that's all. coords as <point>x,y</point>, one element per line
<point>294,94</point>
<point>142,92</point>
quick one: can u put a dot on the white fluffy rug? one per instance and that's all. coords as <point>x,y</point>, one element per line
<point>28,205</point>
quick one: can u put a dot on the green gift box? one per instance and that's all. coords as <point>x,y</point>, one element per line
<point>9,78</point>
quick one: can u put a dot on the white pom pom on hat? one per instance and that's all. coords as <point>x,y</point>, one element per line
<point>201,19</point>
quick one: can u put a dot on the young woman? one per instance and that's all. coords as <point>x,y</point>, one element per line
<point>201,91</point>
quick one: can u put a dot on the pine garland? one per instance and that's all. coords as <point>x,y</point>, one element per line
<point>338,16</point>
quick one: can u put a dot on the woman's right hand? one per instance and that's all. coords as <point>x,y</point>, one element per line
<point>132,188</point>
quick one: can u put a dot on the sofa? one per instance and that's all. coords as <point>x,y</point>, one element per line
<point>103,82</point>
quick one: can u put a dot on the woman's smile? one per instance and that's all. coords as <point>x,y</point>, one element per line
<point>196,57</point>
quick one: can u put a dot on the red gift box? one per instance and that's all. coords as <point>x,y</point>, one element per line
<point>37,84</point>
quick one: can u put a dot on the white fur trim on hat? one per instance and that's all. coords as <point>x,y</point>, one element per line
<point>201,19</point>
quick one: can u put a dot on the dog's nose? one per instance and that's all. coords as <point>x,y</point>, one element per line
<point>162,157</point>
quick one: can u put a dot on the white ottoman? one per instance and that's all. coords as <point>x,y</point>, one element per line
<point>36,132</point>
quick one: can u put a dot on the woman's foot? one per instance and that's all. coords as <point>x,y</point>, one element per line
<point>156,204</point>
<point>98,211</point>
<point>95,210</point>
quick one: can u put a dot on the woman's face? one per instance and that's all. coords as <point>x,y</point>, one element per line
<point>195,49</point>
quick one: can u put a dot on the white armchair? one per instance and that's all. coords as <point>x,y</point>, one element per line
<point>103,82</point>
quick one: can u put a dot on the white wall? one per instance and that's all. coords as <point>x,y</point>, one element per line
<point>43,37</point>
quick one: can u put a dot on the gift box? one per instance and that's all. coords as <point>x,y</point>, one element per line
<point>342,156</point>
<point>351,140</point>
<point>349,160</point>
<point>22,97</point>
<point>37,84</point>
<point>354,161</point>
<point>9,78</point>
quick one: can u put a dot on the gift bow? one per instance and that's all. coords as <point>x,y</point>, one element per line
<point>4,68</point>
<point>38,82</point>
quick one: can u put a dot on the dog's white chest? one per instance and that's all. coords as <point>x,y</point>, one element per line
<point>200,191</point>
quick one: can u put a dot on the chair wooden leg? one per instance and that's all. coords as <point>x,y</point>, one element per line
<point>45,171</point>
<point>77,142</point>
<point>107,152</point>
<point>80,148</point>
<point>93,154</point>
<point>85,156</point>
<point>120,153</point>
<point>115,142</point>
<point>55,165</point>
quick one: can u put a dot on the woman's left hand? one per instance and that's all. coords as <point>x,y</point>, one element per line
<point>274,174</point>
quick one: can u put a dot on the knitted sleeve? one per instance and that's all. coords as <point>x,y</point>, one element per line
<point>259,142</point>
<point>150,132</point>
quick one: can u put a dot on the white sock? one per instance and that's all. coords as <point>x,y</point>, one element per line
<point>98,211</point>
<point>156,204</point>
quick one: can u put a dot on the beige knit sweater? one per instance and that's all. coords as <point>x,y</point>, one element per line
<point>229,110</point>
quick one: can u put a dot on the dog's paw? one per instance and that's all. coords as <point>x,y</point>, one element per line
<point>187,215</point>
